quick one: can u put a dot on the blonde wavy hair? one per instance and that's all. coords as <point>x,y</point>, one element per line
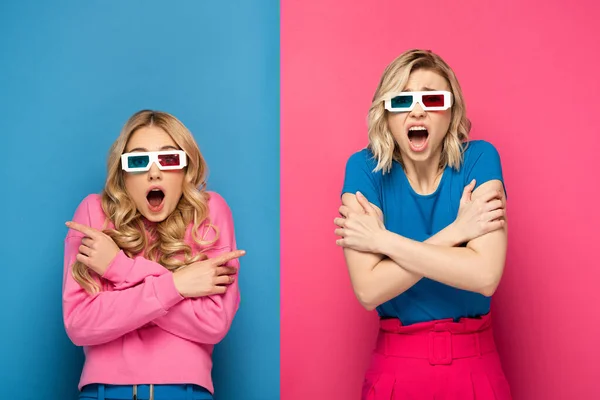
<point>163,243</point>
<point>394,79</point>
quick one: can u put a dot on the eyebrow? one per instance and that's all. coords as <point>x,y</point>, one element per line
<point>146,150</point>
<point>423,89</point>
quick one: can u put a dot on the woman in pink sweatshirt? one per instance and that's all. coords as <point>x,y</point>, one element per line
<point>150,269</point>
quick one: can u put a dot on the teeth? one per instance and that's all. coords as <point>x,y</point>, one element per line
<point>418,128</point>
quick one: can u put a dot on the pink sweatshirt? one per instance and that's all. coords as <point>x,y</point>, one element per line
<point>139,329</point>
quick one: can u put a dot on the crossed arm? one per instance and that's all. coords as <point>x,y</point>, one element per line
<point>144,291</point>
<point>383,264</point>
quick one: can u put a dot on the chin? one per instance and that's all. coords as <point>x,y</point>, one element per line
<point>420,156</point>
<point>156,217</point>
<point>416,156</point>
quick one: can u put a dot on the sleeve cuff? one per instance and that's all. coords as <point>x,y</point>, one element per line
<point>166,292</point>
<point>119,268</point>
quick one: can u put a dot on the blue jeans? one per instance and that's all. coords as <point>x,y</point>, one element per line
<point>161,392</point>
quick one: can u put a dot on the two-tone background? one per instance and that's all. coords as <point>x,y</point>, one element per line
<point>276,94</point>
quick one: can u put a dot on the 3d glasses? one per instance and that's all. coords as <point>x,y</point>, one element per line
<point>430,101</point>
<point>142,161</point>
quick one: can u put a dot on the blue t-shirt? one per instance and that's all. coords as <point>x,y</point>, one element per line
<point>419,217</point>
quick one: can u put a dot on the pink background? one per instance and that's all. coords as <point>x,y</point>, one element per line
<point>529,72</point>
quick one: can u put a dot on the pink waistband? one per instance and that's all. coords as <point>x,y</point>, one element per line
<point>438,341</point>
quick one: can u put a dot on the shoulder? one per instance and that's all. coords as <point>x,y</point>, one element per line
<point>362,161</point>
<point>482,163</point>
<point>360,176</point>
<point>476,148</point>
<point>216,202</point>
<point>480,152</point>
<point>218,208</point>
<point>221,218</point>
<point>217,223</point>
<point>362,157</point>
<point>91,200</point>
<point>90,206</point>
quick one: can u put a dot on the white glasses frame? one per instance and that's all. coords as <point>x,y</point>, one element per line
<point>153,156</point>
<point>418,98</point>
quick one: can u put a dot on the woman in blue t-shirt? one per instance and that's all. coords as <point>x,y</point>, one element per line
<point>420,247</point>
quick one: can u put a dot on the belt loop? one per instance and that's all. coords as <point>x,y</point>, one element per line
<point>386,344</point>
<point>134,392</point>
<point>477,344</point>
<point>190,392</point>
<point>151,391</point>
<point>101,391</point>
<point>440,348</point>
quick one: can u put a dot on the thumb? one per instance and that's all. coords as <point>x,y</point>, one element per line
<point>466,196</point>
<point>364,203</point>
<point>225,258</point>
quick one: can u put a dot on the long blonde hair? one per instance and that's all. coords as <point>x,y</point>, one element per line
<point>394,79</point>
<point>166,244</point>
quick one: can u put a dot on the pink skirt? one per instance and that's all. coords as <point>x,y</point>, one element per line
<point>441,360</point>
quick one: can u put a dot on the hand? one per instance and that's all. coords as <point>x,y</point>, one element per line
<point>360,231</point>
<point>97,249</point>
<point>480,216</point>
<point>207,277</point>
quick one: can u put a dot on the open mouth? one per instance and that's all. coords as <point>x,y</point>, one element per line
<point>417,136</point>
<point>155,198</point>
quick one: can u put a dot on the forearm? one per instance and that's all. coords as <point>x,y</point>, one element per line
<point>387,279</point>
<point>124,272</point>
<point>207,319</point>
<point>459,267</point>
<point>477,267</point>
<point>377,279</point>
<point>203,319</point>
<point>382,283</point>
<point>103,317</point>
<point>449,237</point>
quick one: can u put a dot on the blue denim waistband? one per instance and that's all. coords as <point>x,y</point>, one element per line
<point>161,392</point>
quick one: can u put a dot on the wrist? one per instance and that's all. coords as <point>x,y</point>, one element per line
<point>110,262</point>
<point>456,234</point>
<point>177,283</point>
<point>118,268</point>
<point>384,243</point>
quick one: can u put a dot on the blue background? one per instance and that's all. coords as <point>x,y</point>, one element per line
<point>71,73</point>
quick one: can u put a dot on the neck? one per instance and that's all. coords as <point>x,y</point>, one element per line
<point>424,176</point>
<point>149,225</point>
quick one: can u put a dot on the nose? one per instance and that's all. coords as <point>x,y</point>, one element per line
<point>154,173</point>
<point>417,111</point>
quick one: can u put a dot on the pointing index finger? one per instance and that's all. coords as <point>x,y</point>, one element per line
<point>232,255</point>
<point>86,230</point>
